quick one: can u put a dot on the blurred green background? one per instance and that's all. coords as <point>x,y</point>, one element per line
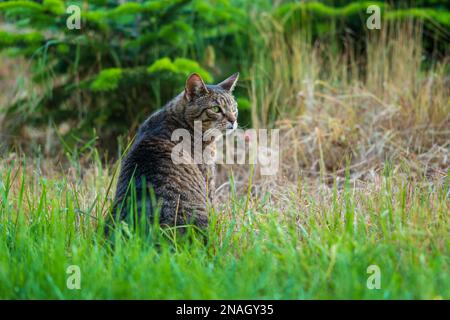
<point>131,57</point>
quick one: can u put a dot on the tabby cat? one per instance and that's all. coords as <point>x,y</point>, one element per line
<point>184,191</point>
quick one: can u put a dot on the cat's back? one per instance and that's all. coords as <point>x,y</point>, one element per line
<point>179,186</point>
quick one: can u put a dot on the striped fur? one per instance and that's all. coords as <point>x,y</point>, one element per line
<point>184,191</point>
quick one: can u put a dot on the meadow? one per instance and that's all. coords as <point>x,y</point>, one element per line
<point>363,183</point>
<point>309,245</point>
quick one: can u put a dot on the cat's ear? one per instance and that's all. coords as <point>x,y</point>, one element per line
<point>230,83</point>
<point>195,87</point>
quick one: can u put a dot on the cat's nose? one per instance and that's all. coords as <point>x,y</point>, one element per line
<point>231,117</point>
<point>232,125</point>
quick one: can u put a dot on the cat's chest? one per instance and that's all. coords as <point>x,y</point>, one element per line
<point>207,167</point>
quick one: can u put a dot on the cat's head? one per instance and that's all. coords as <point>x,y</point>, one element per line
<point>213,105</point>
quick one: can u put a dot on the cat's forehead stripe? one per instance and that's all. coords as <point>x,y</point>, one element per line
<point>225,100</point>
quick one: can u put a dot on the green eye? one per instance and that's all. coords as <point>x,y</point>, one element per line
<point>216,109</point>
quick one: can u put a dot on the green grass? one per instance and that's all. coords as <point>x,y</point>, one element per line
<point>302,243</point>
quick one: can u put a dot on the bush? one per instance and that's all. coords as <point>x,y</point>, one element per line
<point>125,61</point>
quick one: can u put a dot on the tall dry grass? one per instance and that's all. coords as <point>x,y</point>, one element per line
<point>337,112</point>
<point>336,109</point>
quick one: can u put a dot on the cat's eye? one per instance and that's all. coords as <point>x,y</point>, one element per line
<point>216,109</point>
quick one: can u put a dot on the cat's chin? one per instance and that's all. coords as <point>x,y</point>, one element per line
<point>229,131</point>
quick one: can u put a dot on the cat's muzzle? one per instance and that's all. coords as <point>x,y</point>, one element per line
<point>231,127</point>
